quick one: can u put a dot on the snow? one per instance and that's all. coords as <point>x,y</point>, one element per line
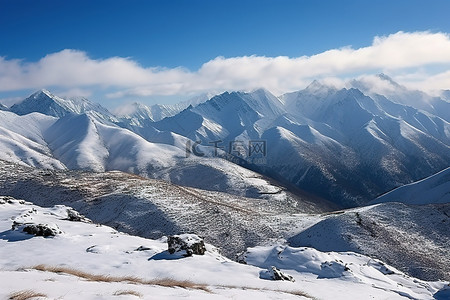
<point>45,102</point>
<point>412,238</point>
<point>85,142</point>
<point>344,145</point>
<point>101,250</point>
<point>138,114</point>
<point>356,143</point>
<point>381,84</point>
<point>433,189</point>
<point>21,140</point>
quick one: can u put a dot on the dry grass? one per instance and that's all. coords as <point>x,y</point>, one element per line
<point>165,282</point>
<point>295,293</point>
<point>128,292</point>
<point>26,294</point>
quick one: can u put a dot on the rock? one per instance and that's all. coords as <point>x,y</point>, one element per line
<point>189,243</point>
<point>242,257</point>
<point>142,248</point>
<point>276,274</point>
<point>6,199</point>
<point>44,230</point>
<point>73,215</point>
<point>12,200</point>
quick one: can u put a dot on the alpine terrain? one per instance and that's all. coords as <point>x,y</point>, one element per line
<point>243,194</point>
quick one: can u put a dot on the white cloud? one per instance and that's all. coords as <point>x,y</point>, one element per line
<point>73,92</point>
<point>72,69</point>
<point>10,101</point>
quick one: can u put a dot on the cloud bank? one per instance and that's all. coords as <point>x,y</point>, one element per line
<point>421,59</point>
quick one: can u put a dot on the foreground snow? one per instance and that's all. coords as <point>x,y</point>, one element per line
<point>84,249</point>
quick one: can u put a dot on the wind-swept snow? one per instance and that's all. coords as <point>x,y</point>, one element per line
<point>433,189</point>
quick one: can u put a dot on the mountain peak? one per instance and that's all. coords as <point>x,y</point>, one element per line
<point>42,92</point>
<point>384,77</point>
<point>317,86</point>
<point>44,102</point>
<point>41,101</point>
<point>260,91</point>
<point>3,107</point>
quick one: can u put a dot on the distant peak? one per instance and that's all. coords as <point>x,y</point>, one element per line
<point>138,104</point>
<point>260,90</point>
<point>384,77</point>
<point>42,92</point>
<point>316,86</point>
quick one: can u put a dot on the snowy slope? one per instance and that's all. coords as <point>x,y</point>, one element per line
<point>83,142</point>
<point>414,239</point>
<point>433,189</point>
<point>4,108</point>
<point>152,208</point>
<point>21,140</point>
<point>62,266</point>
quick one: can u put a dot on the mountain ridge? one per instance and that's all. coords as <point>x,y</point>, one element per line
<point>343,145</point>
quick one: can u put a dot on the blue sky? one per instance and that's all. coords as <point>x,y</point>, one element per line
<point>165,44</point>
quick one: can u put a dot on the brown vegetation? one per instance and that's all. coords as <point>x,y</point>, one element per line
<point>26,294</point>
<point>165,282</point>
<point>128,292</point>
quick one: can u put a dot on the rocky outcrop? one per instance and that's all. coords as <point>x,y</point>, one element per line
<point>45,230</point>
<point>276,274</point>
<point>186,244</point>
<point>73,215</point>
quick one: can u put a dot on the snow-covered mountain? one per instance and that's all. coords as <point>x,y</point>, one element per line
<point>138,114</point>
<point>433,189</point>
<point>4,108</point>
<point>321,144</point>
<point>341,144</point>
<point>22,141</point>
<point>373,145</point>
<point>381,84</point>
<point>227,116</point>
<point>85,142</point>
<point>48,104</point>
<point>345,145</point>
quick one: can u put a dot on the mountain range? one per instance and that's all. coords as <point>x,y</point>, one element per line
<point>347,187</point>
<point>346,146</point>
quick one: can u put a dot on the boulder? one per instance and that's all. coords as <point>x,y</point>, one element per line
<point>276,274</point>
<point>73,215</point>
<point>44,230</point>
<point>186,244</point>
